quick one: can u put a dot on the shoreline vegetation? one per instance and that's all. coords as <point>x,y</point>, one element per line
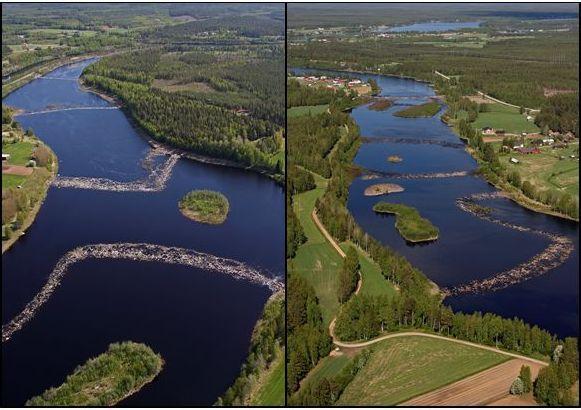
<point>106,379</point>
<point>380,104</point>
<point>426,110</point>
<point>409,223</point>
<point>205,206</point>
<point>261,379</point>
<point>22,200</point>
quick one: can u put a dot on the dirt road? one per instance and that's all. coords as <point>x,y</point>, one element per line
<point>480,389</point>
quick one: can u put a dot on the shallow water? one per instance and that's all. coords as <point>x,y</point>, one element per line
<point>200,322</point>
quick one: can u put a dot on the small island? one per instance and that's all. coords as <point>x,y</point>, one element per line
<point>380,104</point>
<point>205,206</point>
<point>428,109</point>
<point>107,379</point>
<point>394,158</point>
<point>382,189</point>
<point>409,222</point>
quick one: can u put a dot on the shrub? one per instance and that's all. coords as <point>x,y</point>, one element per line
<point>517,387</point>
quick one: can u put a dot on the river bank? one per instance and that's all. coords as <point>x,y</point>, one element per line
<point>32,213</point>
<point>279,179</point>
<point>512,192</point>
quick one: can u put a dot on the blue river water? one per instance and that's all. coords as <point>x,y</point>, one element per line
<point>468,247</point>
<point>200,322</point>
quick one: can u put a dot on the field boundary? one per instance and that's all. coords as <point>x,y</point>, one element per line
<point>434,336</point>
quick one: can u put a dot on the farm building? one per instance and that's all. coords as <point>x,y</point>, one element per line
<point>488,131</point>
<point>527,151</point>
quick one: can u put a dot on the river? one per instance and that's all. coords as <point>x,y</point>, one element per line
<point>199,320</point>
<point>469,248</point>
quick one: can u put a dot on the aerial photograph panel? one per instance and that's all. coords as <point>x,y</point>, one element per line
<point>143,223</point>
<point>433,204</point>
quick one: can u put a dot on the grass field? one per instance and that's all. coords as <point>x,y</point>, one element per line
<point>19,152</point>
<point>428,109</point>
<point>328,367</point>
<point>374,283</point>
<point>319,263</point>
<point>546,170</point>
<point>507,118</point>
<point>316,260</point>
<point>307,109</point>
<point>10,181</point>
<point>402,368</point>
<point>271,392</point>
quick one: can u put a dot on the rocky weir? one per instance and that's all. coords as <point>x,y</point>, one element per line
<point>155,181</point>
<point>141,252</point>
<point>555,254</point>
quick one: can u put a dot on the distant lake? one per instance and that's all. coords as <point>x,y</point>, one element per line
<point>432,27</point>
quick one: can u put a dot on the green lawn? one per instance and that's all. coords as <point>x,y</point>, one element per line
<point>316,260</point>
<point>374,283</point>
<point>507,118</point>
<point>10,181</point>
<point>428,109</point>
<point>328,367</point>
<point>19,152</point>
<point>271,393</point>
<point>402,368</point>
<point>319,263</point>
<point>546,170</point>
<point>307,109</point>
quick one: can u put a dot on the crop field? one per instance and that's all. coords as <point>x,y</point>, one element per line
<point>316,260</point>
<point>307,109</point>
<point>509,119</point>
<point>402,368</point>
<point>548,170</point>
<point>173,86</point>
<point>480,389</point>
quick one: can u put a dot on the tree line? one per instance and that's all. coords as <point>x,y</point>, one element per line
<point>181,119</point>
